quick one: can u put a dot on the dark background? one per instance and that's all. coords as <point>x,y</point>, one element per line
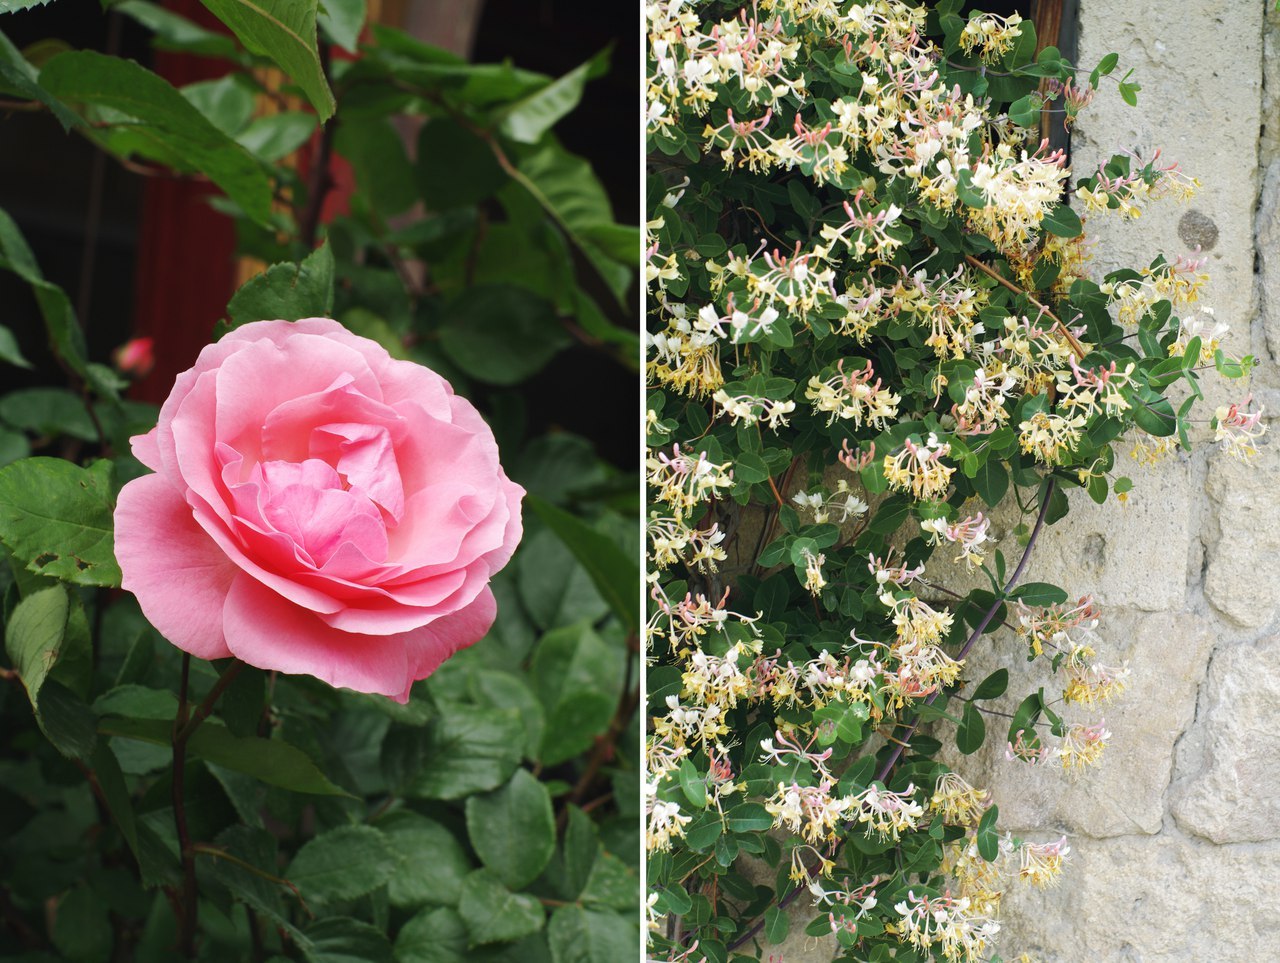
<point>82,212</point>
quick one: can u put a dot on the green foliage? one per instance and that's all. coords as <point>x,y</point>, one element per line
<point>494,816</point>
<point>56,519</point>
<point>871,332</point>
<point>284,31</point>
<point>156,121</point>
<point>287,292</point>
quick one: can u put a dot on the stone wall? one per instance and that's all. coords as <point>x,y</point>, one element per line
<point>1176,838</point>
<point>1176,841</point>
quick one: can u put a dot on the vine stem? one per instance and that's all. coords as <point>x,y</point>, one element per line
<point>1076,348</point>
<point>319,181</point>
<point>1049,489</point>
<point>900,744</point>
<point>185,723</point>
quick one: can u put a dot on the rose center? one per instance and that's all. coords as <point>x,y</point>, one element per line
<point>320,511</point>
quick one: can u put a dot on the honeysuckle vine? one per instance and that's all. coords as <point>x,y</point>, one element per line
<point>875,331</point>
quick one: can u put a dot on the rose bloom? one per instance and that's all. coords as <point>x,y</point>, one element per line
<point>318,508</point>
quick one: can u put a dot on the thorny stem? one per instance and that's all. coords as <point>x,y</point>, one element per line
<point>202,711</point>
<point>900,744</point>
<point>206,850</point>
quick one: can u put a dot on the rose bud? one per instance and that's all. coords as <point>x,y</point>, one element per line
<point>135,358</point>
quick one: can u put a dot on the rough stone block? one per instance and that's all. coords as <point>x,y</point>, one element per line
<point>1241,551</point>
<point>1138,900</point>
<point>1124,794</point>
<point>1233,797</point>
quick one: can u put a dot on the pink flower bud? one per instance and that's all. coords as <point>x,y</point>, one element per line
<point>135,358</point>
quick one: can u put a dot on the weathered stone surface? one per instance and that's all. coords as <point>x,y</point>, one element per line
<point>1234,796</point>
<point>1142,900</point>
<point>1133,555</point>
<point>1168,656</point>
<point>1241,552</point>
<point>1269,257</point>
<point>1177,56</point>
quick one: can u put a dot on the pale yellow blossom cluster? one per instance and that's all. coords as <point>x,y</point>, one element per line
<point>946,304</point>
<point>671,541</point>
<point>970,533</point>
<point>888,814</point>
<point>659,268</point>
<point>919,469</point>
<point>1050,436</point>
<point>1083,744</point>
<point>1237,430</point>
<point>1019,188</point>
<point>960,932</point>
<point>1090,681</point>
<point>1096,390</point>
<point>984,883</point>
<point>983,409</point>
<point>838,507</point>
<point>991,36</point>
<point>751,409</point>
<point>688,63</point>
<point>686,360</point>
<point>684,481</point>
<point>1127,194</point>
<point>957,802</point>
<point>853,397</point>
<point>1052,626</point>
<point>1178,282</point>
<point>1207,328</point>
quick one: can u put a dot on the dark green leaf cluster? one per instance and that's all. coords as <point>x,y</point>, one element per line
<point>495,815</point>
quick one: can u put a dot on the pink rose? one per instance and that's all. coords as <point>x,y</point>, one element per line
<point>318,507</point>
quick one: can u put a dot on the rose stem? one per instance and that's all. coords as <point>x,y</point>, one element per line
<point>900,744</point>
<point>187,917</point>
<point>202,711</point>
<point>184,724</point>
<point>320,182</point>
<point>605,743</point>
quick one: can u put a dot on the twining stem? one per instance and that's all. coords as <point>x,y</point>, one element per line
<point>1076,348</point>
<point>1049,488</point>
<point>900,743</point>
<point>185,724</point>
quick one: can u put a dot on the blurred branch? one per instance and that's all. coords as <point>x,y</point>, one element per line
<point>319,180</point>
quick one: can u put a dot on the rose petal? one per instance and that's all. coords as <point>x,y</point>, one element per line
<point>268,631</point>
<point>263,375</point>
<point>180,577</point>
<point>147,450</point>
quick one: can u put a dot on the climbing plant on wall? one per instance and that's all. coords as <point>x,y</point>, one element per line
<point>873,322</point>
